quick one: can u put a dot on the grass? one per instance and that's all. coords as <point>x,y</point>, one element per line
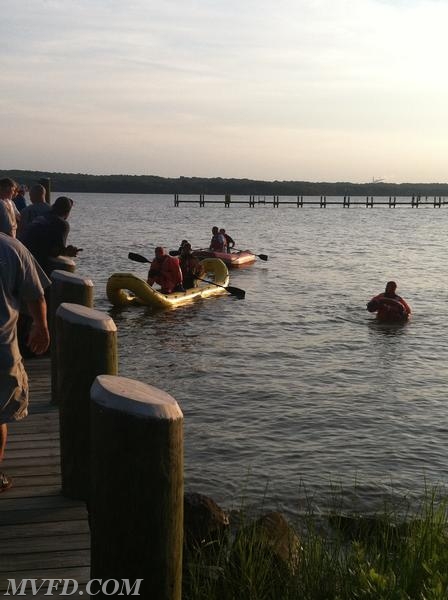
<point>387,556</point>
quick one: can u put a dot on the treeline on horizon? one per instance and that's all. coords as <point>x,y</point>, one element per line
<point>152,184</point>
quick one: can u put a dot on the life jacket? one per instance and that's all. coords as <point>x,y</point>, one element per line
<point>388,308</point>
<point>167,273</point>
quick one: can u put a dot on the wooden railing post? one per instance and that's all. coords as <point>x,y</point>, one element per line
<point>136,503</point>
<point>86,343</point>
<point>65,287</point>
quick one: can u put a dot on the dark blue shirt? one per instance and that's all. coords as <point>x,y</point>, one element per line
<point>46,237</point>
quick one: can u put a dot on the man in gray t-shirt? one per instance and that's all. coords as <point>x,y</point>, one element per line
<point>21,282</point>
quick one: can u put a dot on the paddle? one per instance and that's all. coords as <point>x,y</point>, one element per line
<point>260,256</point>
<point>234,291</point>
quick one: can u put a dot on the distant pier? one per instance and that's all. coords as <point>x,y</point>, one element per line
<point>317,201</point>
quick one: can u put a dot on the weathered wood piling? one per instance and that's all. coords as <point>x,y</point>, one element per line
<point>136,500</point>
<point>86,344</point>
<point>65,287</point>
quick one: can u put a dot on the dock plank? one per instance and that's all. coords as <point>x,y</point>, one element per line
<point>42,534</point>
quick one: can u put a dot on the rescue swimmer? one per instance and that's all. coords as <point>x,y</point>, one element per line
<point>389,306</point>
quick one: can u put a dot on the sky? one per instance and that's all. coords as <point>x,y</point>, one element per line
<point>306,90</point>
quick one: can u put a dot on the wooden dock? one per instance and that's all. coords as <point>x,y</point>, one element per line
<point>42,534</point>
<point>315,201</point>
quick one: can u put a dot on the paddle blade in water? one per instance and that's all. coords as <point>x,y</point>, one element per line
<point>237,292</point>
<point>138,257</point>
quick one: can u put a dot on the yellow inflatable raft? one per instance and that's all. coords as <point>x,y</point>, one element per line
<point>124,289</point>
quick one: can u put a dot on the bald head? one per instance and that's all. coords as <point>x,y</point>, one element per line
<point>37,194</point>
<point>160,251</point>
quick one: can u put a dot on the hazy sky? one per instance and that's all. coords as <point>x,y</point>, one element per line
<point>316,90</point>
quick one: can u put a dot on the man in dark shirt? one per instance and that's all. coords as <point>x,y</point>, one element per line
<point>46,236</point>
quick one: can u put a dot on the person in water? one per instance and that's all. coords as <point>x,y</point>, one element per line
<point>190,266</point>
<point>389,306</point>
<point>165,270</point>
<point>229,241</point>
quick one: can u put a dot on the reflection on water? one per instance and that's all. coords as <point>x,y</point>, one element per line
<point>295,387</point>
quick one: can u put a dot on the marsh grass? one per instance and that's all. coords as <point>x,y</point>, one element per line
<point>392,555</point>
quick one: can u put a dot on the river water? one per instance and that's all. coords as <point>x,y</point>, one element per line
<point>294,394</point>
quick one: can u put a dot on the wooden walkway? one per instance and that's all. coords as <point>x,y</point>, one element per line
<point>42,534</point>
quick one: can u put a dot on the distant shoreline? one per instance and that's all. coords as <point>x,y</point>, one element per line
<point>152,184</point>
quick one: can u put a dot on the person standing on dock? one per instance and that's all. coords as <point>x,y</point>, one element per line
<point>389,306</point>
<point>46,236</point>
<point>19,197</point>
<point>21,280</point>
<point>9,215</point>
<point>37,208</point>
<point>165,270</point>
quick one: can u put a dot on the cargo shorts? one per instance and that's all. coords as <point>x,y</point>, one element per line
<point>13,393</point>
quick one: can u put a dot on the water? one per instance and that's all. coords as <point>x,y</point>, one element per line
<point>296,390</point>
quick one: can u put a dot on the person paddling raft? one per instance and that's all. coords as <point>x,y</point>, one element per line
<point>389,306</point>
<point>190,266</point>
<point>165,271</point>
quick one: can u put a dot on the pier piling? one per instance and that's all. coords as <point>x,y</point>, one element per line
<point>86,343</point>
<point>136,505</point>
<point>65,287</point>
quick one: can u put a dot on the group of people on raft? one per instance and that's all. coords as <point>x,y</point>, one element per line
<point>221,241</point>
<point>176,274</point>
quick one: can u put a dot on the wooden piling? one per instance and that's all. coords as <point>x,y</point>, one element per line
<point>65,287</point>
<point>86,343</point>
<point>61,263</point>
<point>136,505</point>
